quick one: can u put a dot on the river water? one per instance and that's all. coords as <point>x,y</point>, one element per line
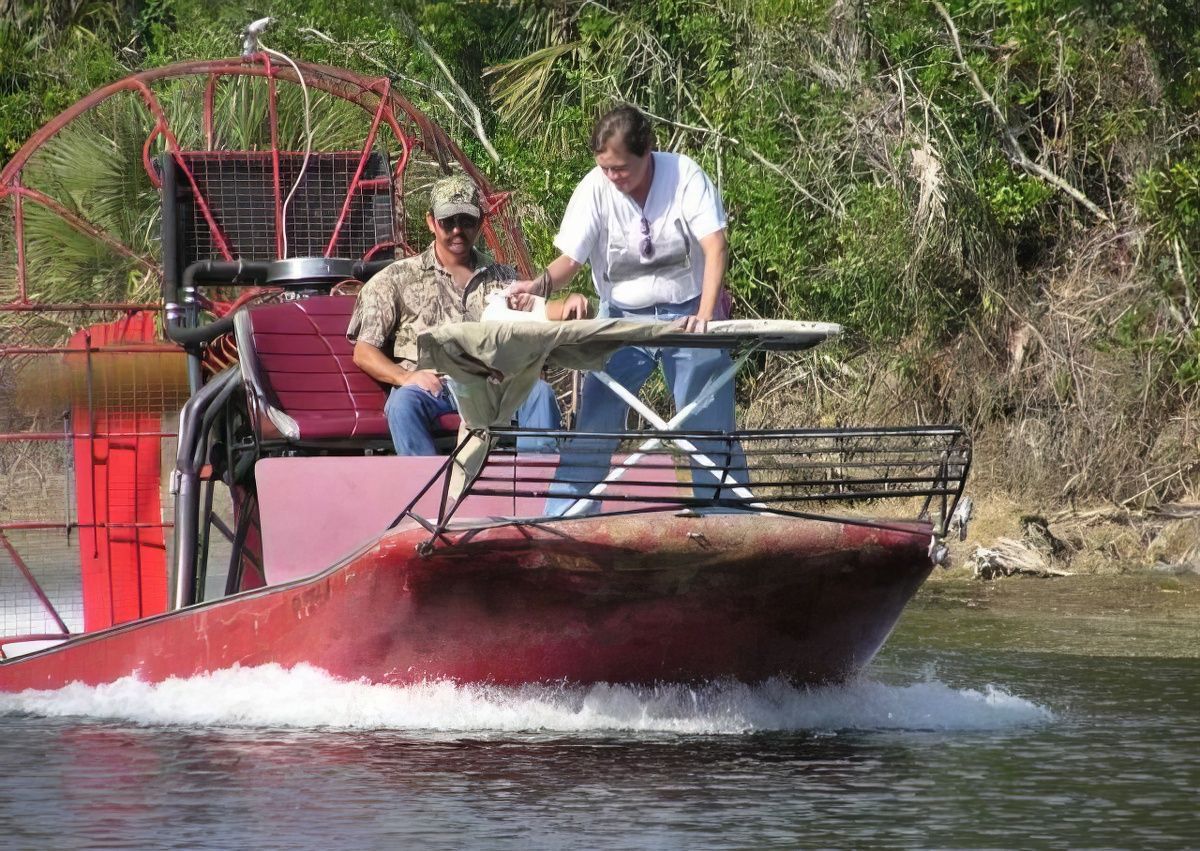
<point>1051,722</point>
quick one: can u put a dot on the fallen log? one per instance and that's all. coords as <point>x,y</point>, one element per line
<point>1008,558</point>
<point>1124,516</point>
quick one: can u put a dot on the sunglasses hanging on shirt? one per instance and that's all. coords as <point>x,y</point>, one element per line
<point>647,244</point>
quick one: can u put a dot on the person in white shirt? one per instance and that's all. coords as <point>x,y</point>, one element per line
<point>652,227</point>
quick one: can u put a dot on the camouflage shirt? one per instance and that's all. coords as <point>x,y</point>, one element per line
<point>416,294</point>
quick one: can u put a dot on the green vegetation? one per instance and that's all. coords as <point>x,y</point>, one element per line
<point>999,199</point>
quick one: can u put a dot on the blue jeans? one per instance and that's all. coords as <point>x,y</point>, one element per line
<point>585,461</point>
<point>413,412</point>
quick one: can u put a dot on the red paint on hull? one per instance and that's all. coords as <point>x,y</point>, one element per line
<point>642,598</point>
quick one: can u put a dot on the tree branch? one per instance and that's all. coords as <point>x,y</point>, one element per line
<point>1013,146</point>
<point>833,211</point>
<point>421,84</point>
<point>477,117</point>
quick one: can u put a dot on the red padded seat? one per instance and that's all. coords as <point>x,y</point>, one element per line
<point>301,377</point>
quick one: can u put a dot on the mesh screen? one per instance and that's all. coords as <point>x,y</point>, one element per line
<point>239,189</point>
<point>52,557</point>
<point>792,470</point>
<point>55,457</point>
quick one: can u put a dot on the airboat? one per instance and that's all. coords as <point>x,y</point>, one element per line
<point>196,476</point>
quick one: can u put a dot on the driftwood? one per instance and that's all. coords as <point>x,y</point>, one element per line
<point>1008,557</point>
<point>1042,552</point>
<point>1169,511</point>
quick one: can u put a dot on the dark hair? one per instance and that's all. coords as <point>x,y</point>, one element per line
<point>629,125</point>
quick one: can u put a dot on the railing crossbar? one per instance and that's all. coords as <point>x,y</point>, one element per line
<point>759,471</point>
<point>737,502</point>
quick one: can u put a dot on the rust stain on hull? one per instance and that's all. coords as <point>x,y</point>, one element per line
<point>642,598</point>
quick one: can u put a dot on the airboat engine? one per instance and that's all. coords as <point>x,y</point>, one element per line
<point>301,277</point>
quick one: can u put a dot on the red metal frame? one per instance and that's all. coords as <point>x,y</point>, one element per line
<point>375,95</point>
<point>33,583</point>
<point>355,183</point>
<point>78,307</point>
<point>80,225</point>
<point>210,96</point>
<point>273,114</point>
<point>22,639</point>
<point>19,233</point>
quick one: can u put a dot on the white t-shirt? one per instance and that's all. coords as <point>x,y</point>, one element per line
<point>603,227</point>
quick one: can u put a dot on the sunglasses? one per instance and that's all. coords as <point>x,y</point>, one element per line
<point>462,221</point>
<point>647,245</point>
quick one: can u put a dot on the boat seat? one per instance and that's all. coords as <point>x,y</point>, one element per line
<point>302,383</point>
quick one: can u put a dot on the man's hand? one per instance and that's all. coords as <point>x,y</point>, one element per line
<point>695,325</point>
<point>426,379</point>
<point>519,294</point>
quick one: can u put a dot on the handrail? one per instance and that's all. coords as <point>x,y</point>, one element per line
<point>787,472</point>
<point>195,420</point>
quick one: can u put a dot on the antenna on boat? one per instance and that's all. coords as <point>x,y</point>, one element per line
<point>252,44</point>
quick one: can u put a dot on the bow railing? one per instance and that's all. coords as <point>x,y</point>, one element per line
<point>842,474</point>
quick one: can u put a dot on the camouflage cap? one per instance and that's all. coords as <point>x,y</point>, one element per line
<point>453,195</point>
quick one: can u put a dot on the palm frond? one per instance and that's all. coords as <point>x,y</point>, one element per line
<point>525,88</point>
<point>93,168</point>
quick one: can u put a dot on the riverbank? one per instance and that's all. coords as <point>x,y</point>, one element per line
<point>1094,582</point>
<point>1007,537</point>
<point>1132,615</point>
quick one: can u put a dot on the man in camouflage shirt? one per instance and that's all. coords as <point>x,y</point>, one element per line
<point>448,282</point>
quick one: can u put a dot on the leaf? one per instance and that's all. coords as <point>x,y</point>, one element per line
<point>524,89</point>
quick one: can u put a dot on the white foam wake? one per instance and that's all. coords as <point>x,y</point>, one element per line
<point>305,697</point>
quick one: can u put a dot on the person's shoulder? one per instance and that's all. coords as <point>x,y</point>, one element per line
<point>589,197</point>
<point>678,172</point>
<point>692,181</point>
<point>416,264</point>
<point>486,262</point>
<point>686,166</point>
<point>399,274</point>
<point>593,183</point>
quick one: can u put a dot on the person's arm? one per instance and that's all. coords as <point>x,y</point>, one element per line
<point>560,271</point>
<point>716,255</point>
<point>705,215</point>
<point>575,241</point>
<point>574,306</point>
<point>371,360</point>
<point>377,316</point>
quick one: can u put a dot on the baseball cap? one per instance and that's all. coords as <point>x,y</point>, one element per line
<point>453,195</point>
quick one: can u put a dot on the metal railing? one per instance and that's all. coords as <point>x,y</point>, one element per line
<point>919,472</point>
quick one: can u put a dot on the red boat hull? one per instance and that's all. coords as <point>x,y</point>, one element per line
<point>640,598</point>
